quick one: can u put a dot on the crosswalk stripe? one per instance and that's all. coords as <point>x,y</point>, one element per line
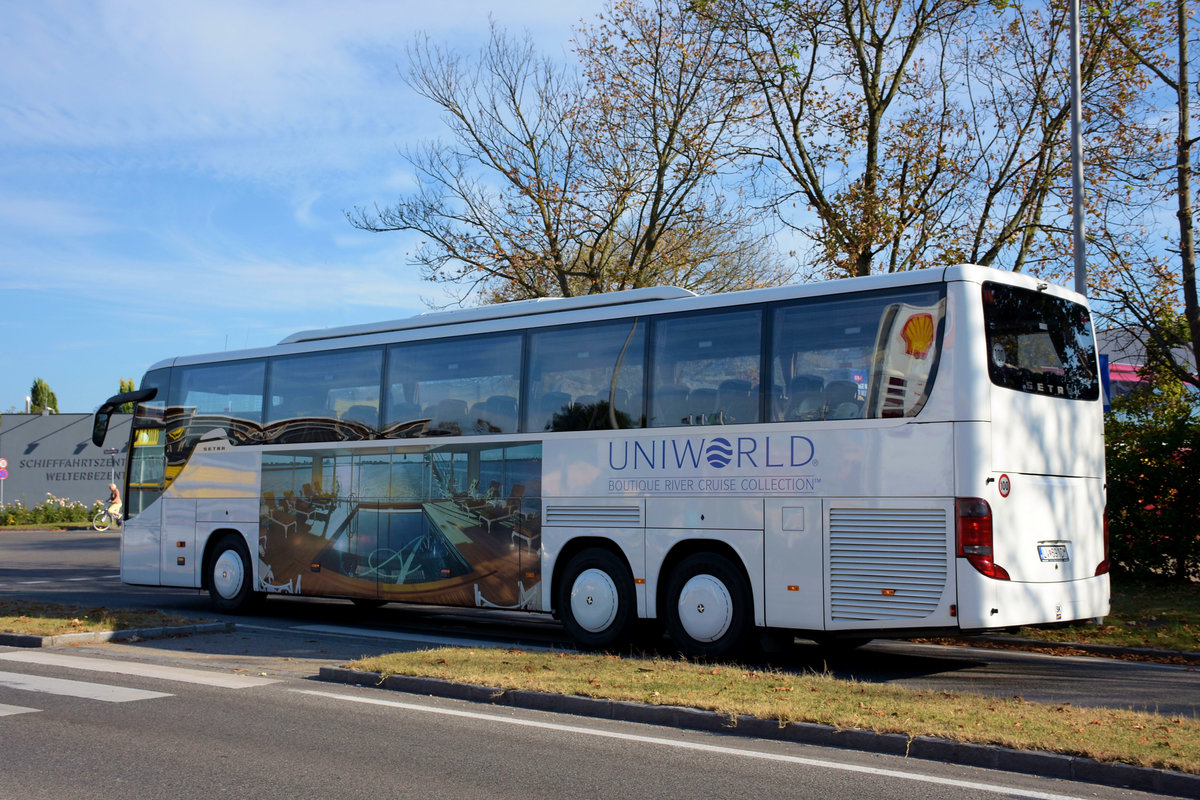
<point>180,674</point>
<point>8,711</point>
<point>90,691</point>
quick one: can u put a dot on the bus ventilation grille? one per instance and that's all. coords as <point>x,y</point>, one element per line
<point>595,516</point>
<point>886,563</point>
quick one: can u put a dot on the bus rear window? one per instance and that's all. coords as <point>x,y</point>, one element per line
<point>1039,344</point>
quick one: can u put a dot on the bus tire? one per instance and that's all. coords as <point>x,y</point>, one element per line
<point>596,600</point>
<point>708,607</point>
<point>230,575</point>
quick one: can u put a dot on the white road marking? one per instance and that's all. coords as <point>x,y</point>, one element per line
<point>90,691</point>
<point>31,583</point>
<point>698,746</point>
<point>179,674</point>
<point>8,711</point>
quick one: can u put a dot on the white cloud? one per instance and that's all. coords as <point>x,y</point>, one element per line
<point>54,218</point>
<point>114,73</point>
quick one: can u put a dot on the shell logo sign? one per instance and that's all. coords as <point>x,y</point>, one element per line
<point>918,335</point>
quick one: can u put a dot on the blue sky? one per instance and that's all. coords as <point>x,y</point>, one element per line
<point>173,176</point>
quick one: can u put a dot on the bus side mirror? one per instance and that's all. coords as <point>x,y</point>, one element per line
<point>100,426</point>
<point>104,413</point>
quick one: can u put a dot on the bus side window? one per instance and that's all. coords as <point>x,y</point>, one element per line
<point>312,394</point>
<point>844,357</point>
<point>464,386</point>
<point>707,368</point>
<point>570,382</point>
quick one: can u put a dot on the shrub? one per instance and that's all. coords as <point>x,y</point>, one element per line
<point>1153,455</point>
<point>53,510</point>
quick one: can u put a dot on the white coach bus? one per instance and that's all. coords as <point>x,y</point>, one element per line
<point>910,453</point>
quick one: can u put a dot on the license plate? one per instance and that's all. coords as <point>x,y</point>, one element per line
<point>1053,552</point>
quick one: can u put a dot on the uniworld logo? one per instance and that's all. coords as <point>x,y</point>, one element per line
<point>684,455</point>
<point>719,453</point>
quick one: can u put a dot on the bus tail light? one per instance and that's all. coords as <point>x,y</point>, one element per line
<point>1103,567</point>
<point>974,530</point>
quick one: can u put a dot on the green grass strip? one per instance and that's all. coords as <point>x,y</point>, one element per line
<point>51,619</point>
<point>1109,735</point>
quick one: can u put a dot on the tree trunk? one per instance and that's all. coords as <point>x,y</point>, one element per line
<point>1187,243</point>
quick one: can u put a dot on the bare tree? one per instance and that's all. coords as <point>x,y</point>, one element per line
<point>557,182</point>
<point>1019,189</point>
<point>858,119</point>
<point>910,133</point>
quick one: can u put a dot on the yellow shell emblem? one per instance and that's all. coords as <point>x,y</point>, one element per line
<point>918,335</point>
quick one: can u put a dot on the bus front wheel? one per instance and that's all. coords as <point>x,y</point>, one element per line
<point>596,599</point>
<point>708,606</point>
<point>230,575</point>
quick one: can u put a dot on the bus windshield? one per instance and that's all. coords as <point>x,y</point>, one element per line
<point>1038,343</point>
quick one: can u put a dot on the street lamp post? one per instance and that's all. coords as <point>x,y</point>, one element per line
<point>1079,248</point>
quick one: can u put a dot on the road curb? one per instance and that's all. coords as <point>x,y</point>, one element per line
<point>25,640</point>
<point>1030,762</point>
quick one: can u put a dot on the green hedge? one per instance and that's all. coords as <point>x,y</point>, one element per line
<point>50,511</point>
<point>1153,457</point>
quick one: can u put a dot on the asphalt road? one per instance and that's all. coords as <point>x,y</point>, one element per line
<point>83,568</point>
<point>95,724</point>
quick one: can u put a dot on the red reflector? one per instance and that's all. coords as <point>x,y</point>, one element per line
<point>974,534</point>
<point>1103,567</point>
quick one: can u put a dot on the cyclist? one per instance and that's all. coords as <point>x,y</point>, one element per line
<point>114,501</point>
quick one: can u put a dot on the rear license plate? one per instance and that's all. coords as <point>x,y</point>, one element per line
<point>1053,552</point>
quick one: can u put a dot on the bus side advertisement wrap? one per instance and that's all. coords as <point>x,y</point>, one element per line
<point>404,524</point>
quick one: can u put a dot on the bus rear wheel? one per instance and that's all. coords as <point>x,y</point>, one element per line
<point>230,575</point>
<point>596,600</point>
<point>708,607</point>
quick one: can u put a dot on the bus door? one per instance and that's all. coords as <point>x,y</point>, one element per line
<point>176,548</point>
<point>146,479</point>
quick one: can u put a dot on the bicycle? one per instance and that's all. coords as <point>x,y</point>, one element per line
<point>104,519</point>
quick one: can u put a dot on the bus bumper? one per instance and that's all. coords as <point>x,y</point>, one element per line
<point>985,603</point>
